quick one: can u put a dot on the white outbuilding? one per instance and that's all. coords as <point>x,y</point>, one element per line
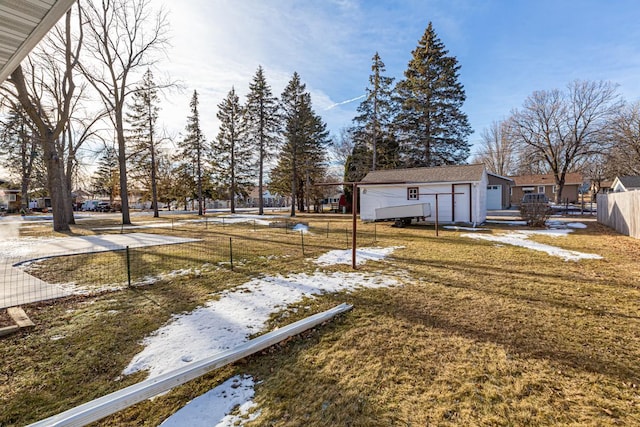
<point>460,192</point>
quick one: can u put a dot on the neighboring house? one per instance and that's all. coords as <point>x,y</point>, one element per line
<point>545,184</point>
<point>10,200</point>
<point>461,192</point>
<point>498,192</point>
<point>336,202</point>
<point>625,183</point>
<point>269,200</point>
<point>602,187</point>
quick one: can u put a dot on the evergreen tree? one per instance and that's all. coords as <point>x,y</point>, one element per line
<point>372,132</point>
<point>262,125</point>
<point>167,180</point>
<point>433,129</point>
<point>233,156</point>
<point>106,180</point>
<point>20,154</point>
<point>142,117</point>
<point>193,149</point>
<point>302,158</point>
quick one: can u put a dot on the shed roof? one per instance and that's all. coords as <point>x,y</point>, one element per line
<point>23,23</point>
<point>630,182</point>
<point>547,179</point>
<point>457,173</point>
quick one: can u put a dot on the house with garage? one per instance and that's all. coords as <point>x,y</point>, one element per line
<point>545,184</point>
<point>625,183</point>
<point>456,194</point>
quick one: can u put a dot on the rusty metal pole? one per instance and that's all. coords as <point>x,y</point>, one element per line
<point>436,215</point>
<point>354,208</point>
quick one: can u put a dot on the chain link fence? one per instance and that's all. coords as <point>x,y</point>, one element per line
<point>216,244</point>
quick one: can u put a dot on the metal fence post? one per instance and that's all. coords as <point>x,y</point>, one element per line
<point>302,238</point>
<point>128,267</point>
<point>230,252</point>
<point>327,230</point>
<point>375,232</point>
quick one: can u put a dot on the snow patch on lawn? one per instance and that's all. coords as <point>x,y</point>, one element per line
<point>228,322</point>
<point>457,228</point>
<point>576,225</point>
<point>521,239</point>
<point>215,406</point>
<point>302,228</point>
<point>362,255</point>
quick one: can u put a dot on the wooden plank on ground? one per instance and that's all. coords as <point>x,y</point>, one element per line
<point>9,330</point>
<point>20,317</point>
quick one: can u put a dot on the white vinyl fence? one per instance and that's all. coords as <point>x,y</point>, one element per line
<point>621,211</point>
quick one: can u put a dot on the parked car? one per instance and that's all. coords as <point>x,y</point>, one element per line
<point>103,207</point>
<point>90,205</point>
<point>535,198</point>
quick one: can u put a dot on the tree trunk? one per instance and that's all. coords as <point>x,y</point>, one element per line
<point>57,184</point>
<point>260,190</point>
<point>122,163</point>
<point>154,184</point>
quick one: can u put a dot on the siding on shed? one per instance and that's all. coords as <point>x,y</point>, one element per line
<point>469,207</point>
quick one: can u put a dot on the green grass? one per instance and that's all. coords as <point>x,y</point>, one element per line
<point>478,334</point>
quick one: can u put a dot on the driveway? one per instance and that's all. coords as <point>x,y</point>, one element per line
<point>18,287</point>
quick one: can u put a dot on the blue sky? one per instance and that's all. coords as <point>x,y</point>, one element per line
<point>507,49</point>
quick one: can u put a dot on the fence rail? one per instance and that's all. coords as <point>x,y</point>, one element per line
<point>620,211</point>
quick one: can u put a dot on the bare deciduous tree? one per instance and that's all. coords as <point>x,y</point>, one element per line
<point>497,150</point>
<point>625,151</point>
<point>565,128</point>
<point>121,36</point>
<point>46,93</point>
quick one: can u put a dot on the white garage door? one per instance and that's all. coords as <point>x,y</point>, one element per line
<point>494,197</point>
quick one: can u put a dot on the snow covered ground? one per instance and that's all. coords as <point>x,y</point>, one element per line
<point>228,322</point>
<point>222,219</point>
<point>521,238</point>
<point>362,255</point>
<point>215,406</point>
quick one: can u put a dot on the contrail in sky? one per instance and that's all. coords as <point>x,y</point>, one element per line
<point>344,102</point>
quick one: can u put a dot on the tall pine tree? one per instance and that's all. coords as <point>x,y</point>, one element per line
<point>302,157</point>
<point>143,116</point>
<point>232,166</point>
<point>193,149</point>
<point>106,179</point>
<point>372,126</point>
<point>262,125</point>
<point>433,129</point>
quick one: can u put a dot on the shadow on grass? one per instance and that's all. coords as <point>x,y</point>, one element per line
<point>552,331</point>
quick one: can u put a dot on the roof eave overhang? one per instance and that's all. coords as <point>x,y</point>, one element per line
<point>57,10</point>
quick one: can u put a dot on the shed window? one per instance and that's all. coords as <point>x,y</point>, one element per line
<point>541,189</point>
<point>412,193</point>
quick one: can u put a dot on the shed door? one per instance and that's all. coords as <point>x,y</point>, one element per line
<point>494,197</point>
<point>462,203</point>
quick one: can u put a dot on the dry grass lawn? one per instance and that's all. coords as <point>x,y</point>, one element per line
<point>478,334</point>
